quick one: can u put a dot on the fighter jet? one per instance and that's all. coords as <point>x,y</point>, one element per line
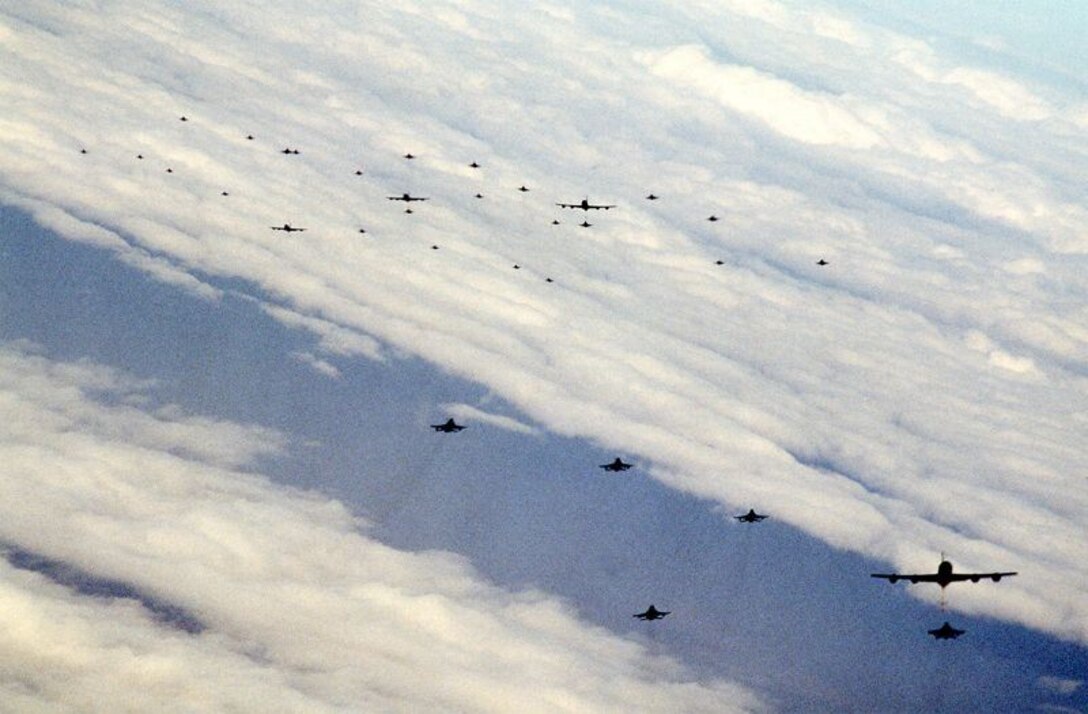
<point>617,465</point>
<point>406,198</point>
<point>651,197</point>
<point>585,224</point>
<point>585,205</point>
<point>289,151</point>
<point>287,228</point>
<point>712,219</point>
<point>942,577</point>
<point>651,614</point>
<point>821,261</point>
<point>946,632</point>
<point>449,427</point>
<point>474,165</point>
<point>750,517</point>
<point>523,189</point>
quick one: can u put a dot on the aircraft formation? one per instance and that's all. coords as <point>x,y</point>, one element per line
<point>944,575</point>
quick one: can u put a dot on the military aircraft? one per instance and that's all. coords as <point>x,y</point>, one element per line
<point>652,613</point>
<point>523,189</point>
<point>289,151</point>
<point>942,577</point>
<point>651,197</point>
<point>750,517</point>
<point>406,198</point>
<point>449,427</point>
<point>821,261</point>
<point>287,228</point>
<point>617,465</point>
<point>712,219</point>
<point>585,205</point>
<point>585,224</point>
<point>946,632</point>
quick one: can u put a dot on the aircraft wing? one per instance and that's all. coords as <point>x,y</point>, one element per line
<point>597,208</point>
<point>568,205</point>
<point>911,577</point>
<point>975,577</point>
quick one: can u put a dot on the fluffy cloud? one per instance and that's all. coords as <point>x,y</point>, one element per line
<point>925,389</point>
<point>298,611</point>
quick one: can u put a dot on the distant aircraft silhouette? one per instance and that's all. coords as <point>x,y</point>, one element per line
<point>750,517</point>
<point>555,223</point>
<point>585,224</point>
<point>479,195</point>
<point>406,198</point>
<point>712,219</point>
<point>821,261</point>
<point>651,197</point>
<point>585,205</point>
<point>523,189</point>
<point>617,465</point>
<point>946,632</point>
<point>651,614</point>
<point>942,577</point>
<point>249,137</point>
<point>289,151</point>
<point>358,172</point>
<point>449,427</point>
<point>287,228</point>
<point>408,156</point>
<point>474,165</point>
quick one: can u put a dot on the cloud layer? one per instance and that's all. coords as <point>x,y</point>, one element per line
<point>298,611</point>
<point>924,392</point>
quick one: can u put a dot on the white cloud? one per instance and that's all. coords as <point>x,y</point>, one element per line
<point>1060,685</point>
<point>299,610</point>
<point>846,389</point>
<point>467,412</point>
<point>317,364</point>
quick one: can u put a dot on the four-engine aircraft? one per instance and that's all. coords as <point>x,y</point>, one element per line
<point>942,577</point>
<point>585,205</point>
<point>651,614</point>
<point>406,198</point>
<point>448,427</point>
<point>287,228</point>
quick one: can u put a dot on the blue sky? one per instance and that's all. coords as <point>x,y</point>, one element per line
<point>925,394</point>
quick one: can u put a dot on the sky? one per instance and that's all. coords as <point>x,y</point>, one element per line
<point>222,491</point>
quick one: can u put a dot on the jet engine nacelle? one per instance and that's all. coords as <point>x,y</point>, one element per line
<point>997,578</point>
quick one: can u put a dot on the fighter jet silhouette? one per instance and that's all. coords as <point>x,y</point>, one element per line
<point>821,261</point>
<point>406,198</point>
<point>289,151</point>
<point>651,614</point>
<point>449,427</point>
<point>712,219</point>
<point>750,517</point>
<point>585,205</point>
<point>287,228</point>
<point>651,197</point>
<point>942,577</point>
<point>946,632</point>
<point>617,465</point>
<point>585,224</point>
<point>523,189</point>
<point>474,165</point>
